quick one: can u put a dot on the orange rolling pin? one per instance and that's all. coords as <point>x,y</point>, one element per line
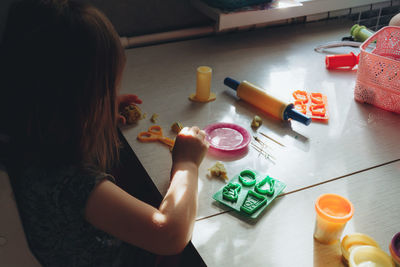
<point>260,99</point>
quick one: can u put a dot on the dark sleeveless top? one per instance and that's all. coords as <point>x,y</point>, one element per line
<point>51,203</point>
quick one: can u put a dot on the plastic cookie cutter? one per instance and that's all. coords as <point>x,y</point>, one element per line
<point>247,178</point>
<point>266,186</point>
<point>300,96</point>
<point>253,202</point>
<point>248,193</point>
<point>231,191</point>
<point>300,106</point>
<point>318,110</point>
<point>317,98</point>
<point>315,106</point>
<point>153,134</point>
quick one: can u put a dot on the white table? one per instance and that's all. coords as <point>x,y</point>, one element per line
<point>358,137</point>
<point>283,236</point>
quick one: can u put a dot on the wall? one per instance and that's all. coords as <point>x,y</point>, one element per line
<point>138,17</point>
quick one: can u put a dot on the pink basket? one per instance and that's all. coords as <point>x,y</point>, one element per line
<point>378,75</point>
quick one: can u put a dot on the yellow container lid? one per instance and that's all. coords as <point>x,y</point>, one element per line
<point>351,241</point>
<point>365,256</point>
<point>334,208</point>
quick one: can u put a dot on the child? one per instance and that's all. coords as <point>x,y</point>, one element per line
<point>61,65</point>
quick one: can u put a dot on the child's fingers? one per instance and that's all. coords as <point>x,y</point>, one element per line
<point>194,132</point>
<point>127,99</point>
<point>121,119</point>
<point>184,131</point>
<point>206,143</point>
<point>190,131</point>
<point>202,133</point>
<point>195,129</point>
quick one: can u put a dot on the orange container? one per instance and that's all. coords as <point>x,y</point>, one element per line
<point>333,212</point>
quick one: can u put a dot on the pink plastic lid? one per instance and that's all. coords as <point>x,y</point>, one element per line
<point>229,137</point>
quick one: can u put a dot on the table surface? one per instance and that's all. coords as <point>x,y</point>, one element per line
<point>283,236</point>
<point>352,154</point>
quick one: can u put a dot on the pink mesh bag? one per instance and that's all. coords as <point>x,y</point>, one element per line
<point>378,75</point>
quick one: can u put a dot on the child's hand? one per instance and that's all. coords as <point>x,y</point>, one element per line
<point>190,146</point>
<point>123,101</point>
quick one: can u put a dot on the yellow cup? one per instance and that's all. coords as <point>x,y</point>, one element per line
<point>364,256</point>
<point>333,212</point>
<point>351,241</point>
<point>203,85</point>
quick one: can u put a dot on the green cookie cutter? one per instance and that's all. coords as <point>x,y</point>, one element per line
<point>231,191</point>
<point>247,178</point>
<point>253,202</point>
<point>259,187</point>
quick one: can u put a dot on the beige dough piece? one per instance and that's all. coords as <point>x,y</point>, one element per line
<point>176,127</point>
<point>218,170</point>
<point>256,122</point>
<point>154,118</point>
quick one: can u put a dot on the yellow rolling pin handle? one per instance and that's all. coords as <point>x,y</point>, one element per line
<point>267,103</point>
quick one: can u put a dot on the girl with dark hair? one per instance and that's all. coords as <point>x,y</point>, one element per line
<point>61,66</point>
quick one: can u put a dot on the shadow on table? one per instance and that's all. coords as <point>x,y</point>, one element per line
<point>327,255</point>
<point>228,155</point>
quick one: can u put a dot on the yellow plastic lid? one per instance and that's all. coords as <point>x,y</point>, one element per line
<point>351,241</point>
<point>334,208</point>
<point>364,256</point>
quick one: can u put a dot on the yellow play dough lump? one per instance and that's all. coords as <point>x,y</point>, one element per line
<point>256,122</point>
<point>154,118</point>
<point>132,114</point>
<point>218,170</point>
<point>176,127</point>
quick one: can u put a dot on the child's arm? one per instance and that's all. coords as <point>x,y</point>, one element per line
<point>165,230</point>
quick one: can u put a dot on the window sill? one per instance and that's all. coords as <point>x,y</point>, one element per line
<point>284,10</point>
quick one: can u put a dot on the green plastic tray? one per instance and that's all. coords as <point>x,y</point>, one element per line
<point>254,187</point>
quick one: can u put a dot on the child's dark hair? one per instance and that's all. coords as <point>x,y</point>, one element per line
<point>61,62</point>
